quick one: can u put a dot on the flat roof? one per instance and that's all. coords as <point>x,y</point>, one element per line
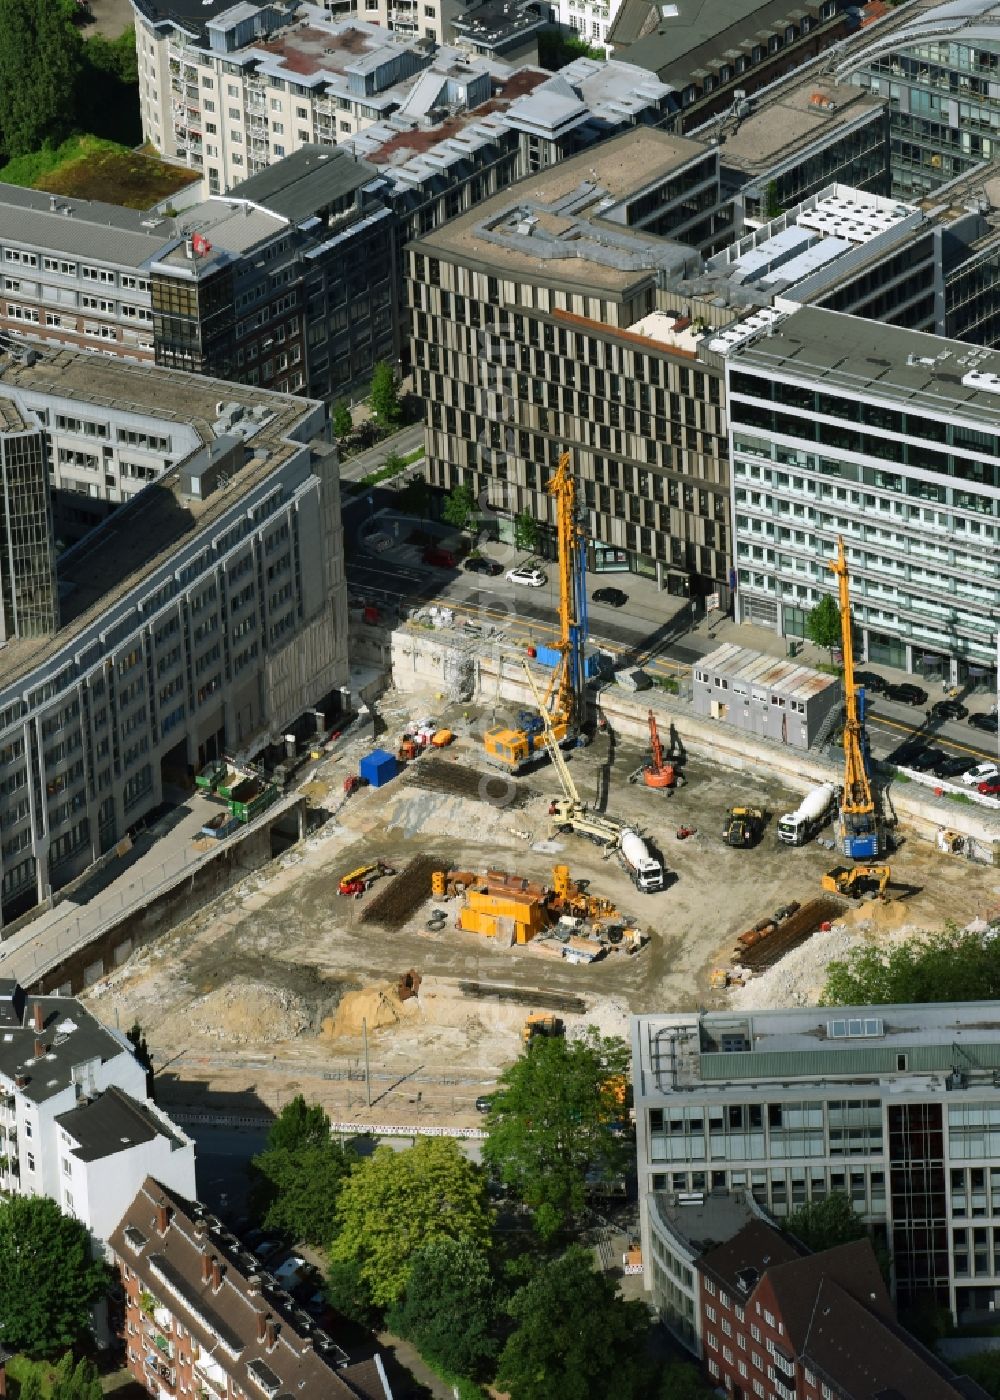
<point>70,1036</point>
<point>674,39</point>
<point>786,119</point>
<point>82,228</point>
<point>308,180</point>
<point>910,368</point>
<point>703,1219</point>
<point>610,171</point>
<point>774,673</point>
<point>192,15</point>
<point>145,531</point>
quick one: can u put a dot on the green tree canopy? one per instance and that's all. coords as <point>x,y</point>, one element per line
<point>297,1189</point>
<point>383,396</point>
<point>48,1280</point>
<point>526,531</point>
<point>298,1125</point>
<point>552,1123</point>
<point>449,1309</point>
<point>949,966</point>
<point>824,1224</point>
<point>575,1337</point>
<point>459,506</point>
<point>414,498</point>
<point>393,1203</point>
<point>79,1382</point>
<point>983,1367</point>
<point>41,59</point>
<point>823,623</point>
<point>342,420</point>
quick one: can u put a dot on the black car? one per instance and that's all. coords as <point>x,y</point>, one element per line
<point>906,693</point>
<point>614,597</point>
<point>479,564</point>
<point>920,757</point>
<point>870,681</point>
<point>954,765</point>
<point>949,709</point>
<point>987,722</point>
<point>484,1103</point>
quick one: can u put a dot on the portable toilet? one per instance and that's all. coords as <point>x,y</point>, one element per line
<point>378,767</point>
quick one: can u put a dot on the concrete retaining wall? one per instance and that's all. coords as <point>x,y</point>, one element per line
<point>421,660</point>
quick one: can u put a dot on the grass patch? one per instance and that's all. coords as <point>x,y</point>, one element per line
<point>959,797</point>
<point>828,668</point>
<point>900,777</point>
<point>556,49</point>
<point>391,468</point>
<point>88,167</point>
<point>670,684</point>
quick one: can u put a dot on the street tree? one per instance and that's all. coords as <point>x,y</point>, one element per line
<point>299,1125</point>
<point>297,1188</point>
<point>342,420</point>
<point>823,623</point>
<point>75,1382</point>
<point>41,59</point>
<point>554,1122</point>
<point>952,965</point>
<point>394,1203</point>
<point>48,1280</point>
<point>575,1337</point>
<point>383,396</point>
<point>459,507</point>
<point>449,1310</point>
<point>526,532</point>
<point>823,1224</point>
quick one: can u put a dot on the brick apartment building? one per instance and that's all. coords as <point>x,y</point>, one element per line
<point>782,1325</point>
<point>202,1318</point>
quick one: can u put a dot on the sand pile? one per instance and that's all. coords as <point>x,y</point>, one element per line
<point>245,1012</point>
<point>885,915</point>
<point>378,1006</point>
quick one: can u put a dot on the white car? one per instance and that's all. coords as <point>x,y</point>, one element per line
<point>534,578</point>
<point>982,773</point>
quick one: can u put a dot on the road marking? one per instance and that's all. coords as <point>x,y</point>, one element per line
<point>937,738</point>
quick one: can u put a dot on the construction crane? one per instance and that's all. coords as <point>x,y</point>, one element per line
<point>860,833</point>
<point>515,749</point>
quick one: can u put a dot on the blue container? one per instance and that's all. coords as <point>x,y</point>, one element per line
<point>378,767</point>
<point>548,656</point>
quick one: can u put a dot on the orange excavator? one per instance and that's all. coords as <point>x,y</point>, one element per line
<point>658,773</point>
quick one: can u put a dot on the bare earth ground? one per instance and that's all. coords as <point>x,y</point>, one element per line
<point>264,991</point>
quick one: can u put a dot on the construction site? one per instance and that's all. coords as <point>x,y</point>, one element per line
<point>515,848</point>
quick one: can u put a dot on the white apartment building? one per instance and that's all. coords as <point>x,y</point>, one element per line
<point>889,437</point>
<point>898,1107</point>
<point>75,1121</point>
<point>232,90</point>
<point>591,20</point>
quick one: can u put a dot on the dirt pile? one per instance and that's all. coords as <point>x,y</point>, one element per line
<point>246,1013</point>
<point>887,916</point>
<point>378,1006</point>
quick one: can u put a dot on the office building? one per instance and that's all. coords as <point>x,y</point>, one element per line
<point>709,53</point>
<point>203,1318</point>
<point>76,1124</point>
<point>938,66</point>
<point>204,614</point>
<point>29,598</point>
<point>536,326</point>
<point>843,426</point>
<point>795,138</point>
<point>896,1106</point>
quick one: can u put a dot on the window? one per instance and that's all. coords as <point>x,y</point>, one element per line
<point>31,1161</point>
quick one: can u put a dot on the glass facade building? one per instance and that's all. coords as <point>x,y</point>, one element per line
<point>29,597</point>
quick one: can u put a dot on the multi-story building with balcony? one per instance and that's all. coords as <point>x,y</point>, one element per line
<point>896,1106</point>
<point>232,90</point>
<point>76,1123</point>
<point>205,613</point>
<point>844,426</point>
<point>202,1317</point>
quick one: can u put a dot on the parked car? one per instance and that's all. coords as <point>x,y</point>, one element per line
<point>614,597</point>
<point>525,573</point>
<point>906,694</point>
<point>984,722</point>
<point>982,773</point>
<point>991,788</point>
<point>953,766</point>
<point>871,681</point>
<point>440,558</point>
<point>479,564</point>
<point>949,709</point>
<point>922,758</point>
<point>484,1103</point>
